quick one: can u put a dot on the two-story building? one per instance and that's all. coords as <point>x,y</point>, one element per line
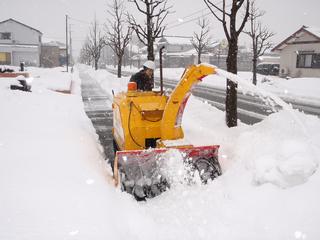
<point>19,43</point>
<point>300,53</point>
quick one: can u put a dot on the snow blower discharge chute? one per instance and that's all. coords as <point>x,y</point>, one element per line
<point>147,128</point>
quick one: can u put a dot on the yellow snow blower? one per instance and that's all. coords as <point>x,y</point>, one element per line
<point>146,127</point>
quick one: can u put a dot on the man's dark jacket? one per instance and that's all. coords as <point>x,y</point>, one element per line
<point>144,83</point>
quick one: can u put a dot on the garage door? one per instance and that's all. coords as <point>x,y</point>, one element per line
<point>5,58</point>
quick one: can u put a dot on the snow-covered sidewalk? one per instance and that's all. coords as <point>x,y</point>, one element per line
<point>55,184</point>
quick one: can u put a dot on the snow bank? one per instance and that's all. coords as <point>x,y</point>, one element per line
<point>53,178</point>
<point>56,79</point>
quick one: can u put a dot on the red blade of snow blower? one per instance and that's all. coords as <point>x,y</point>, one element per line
<point>141,171</point>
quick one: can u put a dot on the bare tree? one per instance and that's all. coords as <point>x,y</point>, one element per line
<point>232,35</point>
<point>118,36</point>
<point>260,37</point>
<point>155,12</point>
<point>201,40</point>
<point>95,42</point>
<point>85,56</point>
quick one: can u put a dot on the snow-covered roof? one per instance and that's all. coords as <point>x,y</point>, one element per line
<point>52,42</point>
<point>314,31</point>
<point>176,40</point>
<point>25,25</point>
<point>186,53</point>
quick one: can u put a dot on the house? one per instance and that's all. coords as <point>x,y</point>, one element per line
<point>175,44</point>
<point>176,51</point>
<point>19,43</point>
<point>300,53</point>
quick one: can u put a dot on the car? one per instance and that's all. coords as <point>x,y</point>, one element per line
<point>268,68</point>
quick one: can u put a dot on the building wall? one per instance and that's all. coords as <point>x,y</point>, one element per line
<point>50,56</point>
<point>20,34</point>
<point>30,58</point>
<point>288,60</point>
<point>178,47</point>
<point>24,45</point>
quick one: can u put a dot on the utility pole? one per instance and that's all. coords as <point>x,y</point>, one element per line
<point>67,56</point>
<point>70,39</point>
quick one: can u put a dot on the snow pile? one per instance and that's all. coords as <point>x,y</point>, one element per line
<point>56,79</point>
<point>273,156</point>
<point>276,150</point>
<point>53,177</point>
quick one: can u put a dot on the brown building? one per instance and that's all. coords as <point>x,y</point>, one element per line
<point>52,53</point>
<point>50,56</point>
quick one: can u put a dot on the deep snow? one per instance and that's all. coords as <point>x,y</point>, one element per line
<point>55,183</point>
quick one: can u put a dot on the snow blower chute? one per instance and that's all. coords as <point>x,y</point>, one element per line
<point>147,128</point>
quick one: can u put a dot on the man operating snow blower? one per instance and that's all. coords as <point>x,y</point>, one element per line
<point>143,78</point>
<point>147,133</point>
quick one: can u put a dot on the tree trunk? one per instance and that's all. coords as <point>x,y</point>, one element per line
<point>96,64</point>
<point>254,58</point>
<point>119,66</point>
<point>231,98</point>
<point>199,58</point>
<point>149,34</point>
<point>150,51</point>
<point>254,70</point>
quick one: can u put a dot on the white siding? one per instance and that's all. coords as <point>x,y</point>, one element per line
<point>289,54</point>
<point>288,60</point>
<point>24,45</point>
<point>20,34</point>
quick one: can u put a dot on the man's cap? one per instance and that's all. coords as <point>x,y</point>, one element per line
<point>149,64</point>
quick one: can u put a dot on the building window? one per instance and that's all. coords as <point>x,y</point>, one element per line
<point>5,35</point>
<point>308,60</point>
<point>316,60</point>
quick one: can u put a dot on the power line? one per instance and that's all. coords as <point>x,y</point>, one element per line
<point>192,14</point>
<point>80,21</point>
<point>83,22</point>
<point>196,18</point>
<point>191,20</point>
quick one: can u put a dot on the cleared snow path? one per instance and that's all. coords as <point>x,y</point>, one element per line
<point>97,107</point>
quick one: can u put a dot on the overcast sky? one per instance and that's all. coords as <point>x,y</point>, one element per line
<point>282,16</point>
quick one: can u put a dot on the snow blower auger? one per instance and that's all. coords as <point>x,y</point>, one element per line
<point>147,129</point>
